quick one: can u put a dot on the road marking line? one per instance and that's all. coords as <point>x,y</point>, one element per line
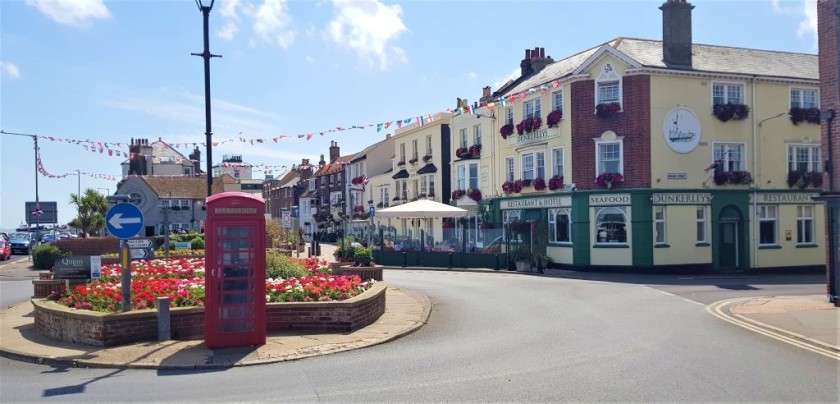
<point>671,294</point>
<point>716,309</point>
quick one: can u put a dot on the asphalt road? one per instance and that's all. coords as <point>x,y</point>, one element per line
<point>495,337</point>
<point>15,282</point>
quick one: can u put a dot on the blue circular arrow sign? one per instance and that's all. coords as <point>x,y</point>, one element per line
<point>124,220</point>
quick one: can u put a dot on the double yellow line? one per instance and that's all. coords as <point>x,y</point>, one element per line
<point>717,309</point>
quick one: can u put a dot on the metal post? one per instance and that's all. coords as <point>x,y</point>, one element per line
<point>126,277</point>
<point>166,232</point>
<point>163,321</point>
<point>37,199</point>
<point>205,10</point>
<point>79,183</point>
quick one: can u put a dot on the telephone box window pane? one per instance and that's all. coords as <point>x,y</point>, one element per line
<point>237,298</point>
<point>235,231</point>
<point>237,258</point>
<point>237,326</point>
<point>236,312</point>
<point>237,272</point>
<point>243,284</point>
<point>234,245</point>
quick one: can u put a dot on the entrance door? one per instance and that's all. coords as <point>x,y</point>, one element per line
<point>728,245</point>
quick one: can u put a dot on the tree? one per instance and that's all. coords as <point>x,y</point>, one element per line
<point>91,208</point>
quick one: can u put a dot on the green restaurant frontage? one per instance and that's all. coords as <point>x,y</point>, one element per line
<point>668,231</point>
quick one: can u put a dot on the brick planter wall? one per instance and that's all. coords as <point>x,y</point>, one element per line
<point>89,246</point>
<point>110,329</point>
<point>366,273</point>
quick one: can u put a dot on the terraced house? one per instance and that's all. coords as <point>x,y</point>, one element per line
<point>648,155</point>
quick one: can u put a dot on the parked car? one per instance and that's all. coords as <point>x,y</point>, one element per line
<point>49,238</point>
<point>62,236</point>
<point>5,249</point>
<point>21,243</point>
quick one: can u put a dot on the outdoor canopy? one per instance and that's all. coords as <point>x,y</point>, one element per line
<point>422,208</point>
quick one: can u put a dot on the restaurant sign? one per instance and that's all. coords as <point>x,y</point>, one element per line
<point>609,199</point>
<point>544,202</point>
<point>786,197</point>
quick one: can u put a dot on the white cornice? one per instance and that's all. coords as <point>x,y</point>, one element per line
<point>605,49</point>
<point>717,75</point>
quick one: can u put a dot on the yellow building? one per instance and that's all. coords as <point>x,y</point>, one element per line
<point>644,155</point>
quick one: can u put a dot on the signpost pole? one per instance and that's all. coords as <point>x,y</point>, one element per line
<point>126,277</point>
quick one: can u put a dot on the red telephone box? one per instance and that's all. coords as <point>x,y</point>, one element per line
<point>234,301</point>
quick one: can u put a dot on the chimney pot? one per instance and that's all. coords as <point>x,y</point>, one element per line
<point>527,53</point>
<point>542,52</point>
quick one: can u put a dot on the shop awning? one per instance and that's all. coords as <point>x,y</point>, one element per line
<point>427,169</point>
<point>400,175</point>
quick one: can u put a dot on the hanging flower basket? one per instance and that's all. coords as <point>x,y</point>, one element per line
<point>802,179</point>
<point>357,180</point>
<point>427,158</point>
<point>607,110</point>
<point>412,161</point>
<point>512,187</point>
<point>726,112</point>
<point>555,182</point>
<point>474,194</point>
<point>475,151</point>
<point>539,184</point>
<point>733,177</point>
<point>506,130</point>
<point>609,180</point>
<point>528,125</point>
<point>526,183</point>
<point>458,193</point>
<point>462,153</point>
<point>553,118</point>
<point>799,115</point>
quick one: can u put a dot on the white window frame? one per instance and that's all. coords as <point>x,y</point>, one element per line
<point>431,181</point>
<point>532,108</point>
<point>414,149</point>
<point>618,209</point>
<point>402,152</point>
<point>797,97</point>
<point>814,160</point>
<point>510,169</point>
<point>805,223</point>
<point>598,144</point>
<point>507,217</point>
<point>463,178</point>
<point>509,116</point>
<point>557,169</point>
<point>726,153</point>
<point>312,185</point>
<point>429,145</point>
<point>557,101</point>
<point>423,185</point>
<point>768,214</point>
<point>463,138</point>
<point>608,76</point>
<point>702,224</point>
<point>660,229</point>
<point>477,134</point>
<point>552,225</point>
<point>725,90</point>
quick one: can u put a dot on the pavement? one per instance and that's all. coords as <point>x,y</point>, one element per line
<point>809,322</point>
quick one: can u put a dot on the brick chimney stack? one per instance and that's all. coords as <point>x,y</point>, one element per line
<point>676,33</point>
<point>195,158</point>
<point>539,61</point>
<point>334,151</point>
<point>525,65</point>
<point>486,95</point>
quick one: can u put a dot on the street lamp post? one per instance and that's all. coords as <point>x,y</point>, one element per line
<point>37,163</point>
<point>205,10</point>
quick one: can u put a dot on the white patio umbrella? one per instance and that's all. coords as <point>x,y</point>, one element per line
<point>423,208</point>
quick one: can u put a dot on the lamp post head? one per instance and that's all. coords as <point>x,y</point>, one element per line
<point>205,4</point>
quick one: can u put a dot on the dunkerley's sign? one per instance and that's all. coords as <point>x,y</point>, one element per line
<point>533,137</point>
<point>681,130</point>
<point>682,199</point>
<point>547,202</point>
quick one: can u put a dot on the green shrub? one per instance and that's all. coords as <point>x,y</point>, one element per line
<point>197,243</point>
<point>278,265</point>
<point>363,257</point>
<point>44,255</point>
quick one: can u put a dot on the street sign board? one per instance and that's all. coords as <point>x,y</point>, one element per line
<point>139,243</point>
<point>48,212</point>
<point>141,253</point>
<point>183,245</point>
<point>124,220</point>
<point>81,267</point>
<point>372,211</point>
<point>286,219</point>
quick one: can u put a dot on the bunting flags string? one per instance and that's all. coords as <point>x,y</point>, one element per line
<point>47,174</point>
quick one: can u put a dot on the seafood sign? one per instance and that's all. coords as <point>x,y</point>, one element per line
<point>681,130</point>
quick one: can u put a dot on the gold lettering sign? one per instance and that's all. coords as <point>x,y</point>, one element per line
<point>682,199</point>
<point>235,211</point>
<point>786,197</point>
<point>609,199</point>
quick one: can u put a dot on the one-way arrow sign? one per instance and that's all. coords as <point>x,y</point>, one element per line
<point>139,243</point>
<point>140,253</point>
<point>124,220</point>
<point>118,221</point>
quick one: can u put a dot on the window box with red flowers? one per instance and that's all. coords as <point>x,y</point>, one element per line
<point>427,158</point>
<point>412,161</point>
<point>462,153</point>
<point>555,182</point>
<point>474,194</point>
<point>506,130</point>
<point>401,163</point>
<point>607,110</point>
<point>358,209</point>
<point>528,125</point>
<point>539,184</point>
<point>733,177</point>
<point>799,115</point>
<point>358,180</point>
<point>458,193</point>
<point>553,118</point>
<point>609,180</point>
<point>475,151</point>
<point>802,179</point>
<point>727,112</point>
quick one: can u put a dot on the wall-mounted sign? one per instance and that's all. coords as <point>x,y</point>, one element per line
<point>677,176</point>
<point>682,199</point>
<point>81,267</point>
<point>786,197</point>
<point>532,137</point>
<point>544,202</point>
<point>681,130</point>
<point>609,199</point>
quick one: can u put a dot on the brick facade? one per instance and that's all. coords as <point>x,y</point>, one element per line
<point>109,329</point>
<point>633,124</point>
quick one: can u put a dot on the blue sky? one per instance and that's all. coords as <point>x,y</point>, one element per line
<point>112,70</point>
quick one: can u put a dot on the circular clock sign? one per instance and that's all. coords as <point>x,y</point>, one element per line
<point>681,130</point>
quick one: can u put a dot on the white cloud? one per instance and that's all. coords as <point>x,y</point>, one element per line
<point>229,13</point>
<point>807,10</point>
<point>272,23</point>
<point>471,76</point>
<point>72,12</point>
<point>309,59</point>
<point>368,27</point>
<point>10,68</point>
<point>512,76</point>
